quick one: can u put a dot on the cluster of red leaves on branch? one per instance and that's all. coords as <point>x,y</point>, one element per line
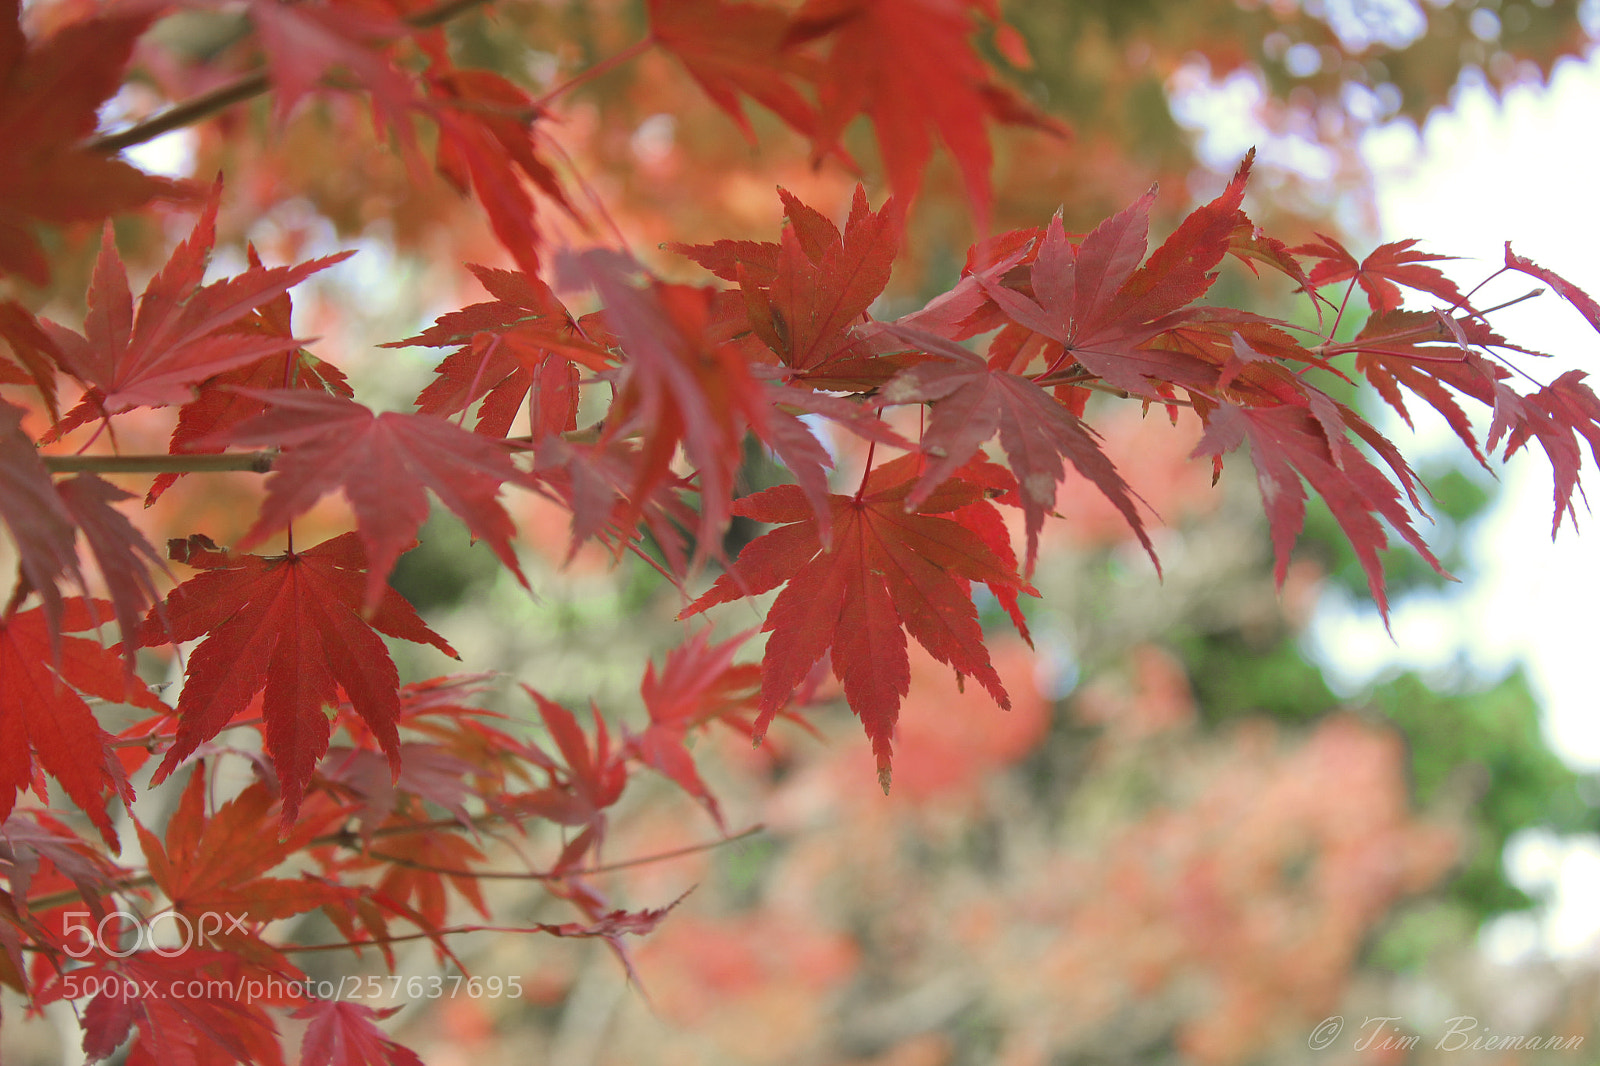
<point>786,352</point>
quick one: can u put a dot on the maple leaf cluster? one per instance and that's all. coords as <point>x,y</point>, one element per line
<point>958,423</point>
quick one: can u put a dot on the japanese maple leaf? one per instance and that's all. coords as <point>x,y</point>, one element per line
<point>51,92</point>
<point>804,295</point>
<point>910,67</point>
<point>522,345</point>
<point>681,384</point>
<point>305,42</point>
<point>41,527</point>
<point>1556,416</point>
<point>45,725</point>
<point>1429,355</point>
<point>412,863</point>
<point>1381,273</point>
<point>201,1025</point>
<point>341,1033</point>
<point>1289,442</point>
<point>289,627</point>
<point>489,142</point>
<point>33,349</point>
<point>180,335</point>
<point>1586,304</point>
<point>221,405</point>
<point>1095,302</point>
<point>734,49</point>
<point>698,684</point>
<point>589,782</point>
<point>216,864</point>
<point>887,573</point>
<point>384,464</point>
<point>46,854</point>
<point>975,402</point>
<point>123,554</point>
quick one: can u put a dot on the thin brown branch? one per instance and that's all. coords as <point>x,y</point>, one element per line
<point>245,87</point>
<point>253,462</point>
<point>531,875</point>
<point>179,115</point>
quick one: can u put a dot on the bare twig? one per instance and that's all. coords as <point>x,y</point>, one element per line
<point>245,87</point>
<point>253,462</point>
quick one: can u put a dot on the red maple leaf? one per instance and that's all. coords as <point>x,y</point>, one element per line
<point>584,783</point>
<point>682,383</point>
<point>178,1006</point>
<point>1105,311</point>
<point>221,405</point>
<point>213,867</point>
<point>804,295</point>
<point>1586,304</point>
<point>698,684</point>
<point>732,49</point>
<point>489,142</point>
<point>51,92</point>
<point>305,42</point>
<point>341,1033</point>
<point>415,864</point>
<point>887,573</point>
<point>1035,430</point>
<point>384,464</point>
<point>1556,416</point>
<point>1430,355</point>
<point>181,334</point>
<point>33,349</point>
<point>288,627</point>
<point>1381,273</point>
<point>45,725</point>
<point>123,554</point>
<point>910,67</point>
<point>41,526</point>
<point>1289,442</point>
<point>523,344</point>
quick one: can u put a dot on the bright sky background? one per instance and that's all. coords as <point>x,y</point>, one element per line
<point>1526,172</point>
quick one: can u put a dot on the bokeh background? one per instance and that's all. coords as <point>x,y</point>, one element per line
<point>1219,813</point>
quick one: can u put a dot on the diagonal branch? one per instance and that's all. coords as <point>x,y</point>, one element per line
<point>245,87</point>
<point>202,463</point>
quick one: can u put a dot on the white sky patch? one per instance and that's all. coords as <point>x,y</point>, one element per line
<point>1479,176</point>
<point>1524,172</point>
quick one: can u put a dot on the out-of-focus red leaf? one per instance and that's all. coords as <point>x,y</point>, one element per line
<point>123,554</point>
<point>384,464</point>
<point>341,1033</point>
<point>734,49</point>
<point>51,92</point>
<point>41,527</point>
<point>910,67</point>
<point>45,725</point>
